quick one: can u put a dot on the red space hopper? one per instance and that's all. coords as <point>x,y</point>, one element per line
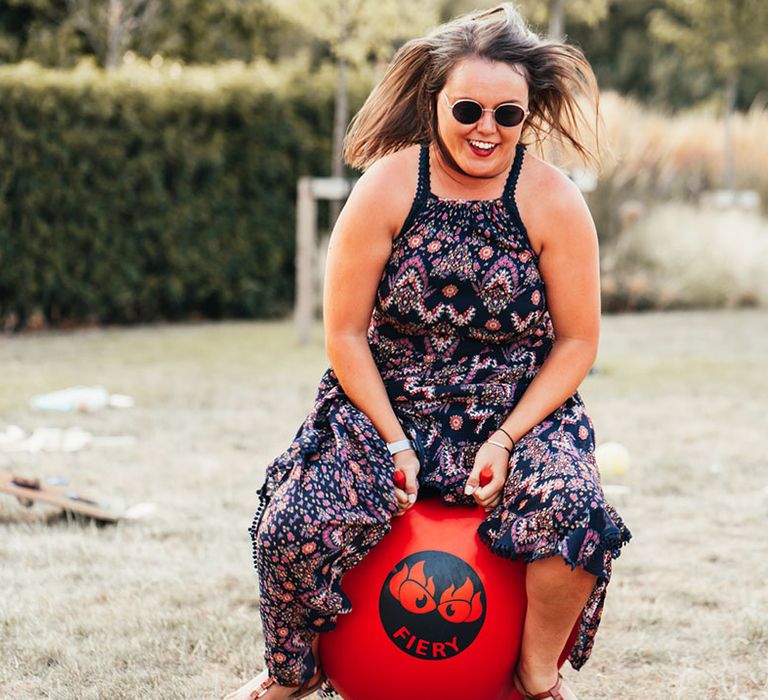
<point>436,615</point>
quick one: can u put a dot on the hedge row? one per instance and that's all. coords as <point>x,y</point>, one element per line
<point>153,192</point>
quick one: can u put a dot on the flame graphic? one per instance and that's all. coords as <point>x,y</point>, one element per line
<point>415,593</point>
<point>460,604</point>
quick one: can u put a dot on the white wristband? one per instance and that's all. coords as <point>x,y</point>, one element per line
<point>400,446</point>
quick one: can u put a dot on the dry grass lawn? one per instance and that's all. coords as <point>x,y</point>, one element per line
<point>166,607</point>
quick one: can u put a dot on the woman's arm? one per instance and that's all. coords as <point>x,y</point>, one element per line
<point>563,229</point>
<point>563,235</point>
<point>359,248</point>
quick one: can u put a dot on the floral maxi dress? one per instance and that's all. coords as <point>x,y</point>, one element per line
<point>459,329</point>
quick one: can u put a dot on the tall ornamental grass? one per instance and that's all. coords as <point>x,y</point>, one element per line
<point>664,242</point>
<point>682,155</point>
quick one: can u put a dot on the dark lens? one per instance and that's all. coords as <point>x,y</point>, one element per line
<point>467,112</point>
<point>509,115</point>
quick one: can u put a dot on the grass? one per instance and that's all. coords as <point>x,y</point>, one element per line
<point>167,608</point>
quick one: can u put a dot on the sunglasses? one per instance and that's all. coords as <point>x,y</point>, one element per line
<point>467,111</point>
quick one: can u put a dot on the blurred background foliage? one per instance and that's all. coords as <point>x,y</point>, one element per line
<point>638,47</point>
<point>149,149</point>
<point>154,191</point>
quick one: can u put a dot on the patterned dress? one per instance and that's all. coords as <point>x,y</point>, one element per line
<point>459,329</point>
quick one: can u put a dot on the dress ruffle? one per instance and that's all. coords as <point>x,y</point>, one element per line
<point>591,545</point>
<point>554,506</point>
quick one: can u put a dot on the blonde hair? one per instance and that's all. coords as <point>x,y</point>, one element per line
<point>401,110</point>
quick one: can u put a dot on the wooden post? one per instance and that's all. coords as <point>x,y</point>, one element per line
<point>729,171</point>
<point>306,222</point>
<point>310,189</point>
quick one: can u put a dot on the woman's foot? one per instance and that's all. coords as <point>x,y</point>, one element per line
<point>249,690</point>
<point>264,687</point>
<point>542,683</point>
<point>272,690</point>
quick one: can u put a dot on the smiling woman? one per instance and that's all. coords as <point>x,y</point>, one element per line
<point>462,311</point>
<point>484,146</point>
<point>402,108</point>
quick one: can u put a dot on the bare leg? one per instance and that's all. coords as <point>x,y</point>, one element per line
<point>556,598</point>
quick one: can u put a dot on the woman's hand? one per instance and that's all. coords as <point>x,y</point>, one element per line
<point>407,462</point>
<point>496,459</point>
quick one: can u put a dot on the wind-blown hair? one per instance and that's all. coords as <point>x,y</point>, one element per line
<point>401,110</point>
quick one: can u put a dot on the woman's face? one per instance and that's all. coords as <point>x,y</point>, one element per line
<point>482,149</point>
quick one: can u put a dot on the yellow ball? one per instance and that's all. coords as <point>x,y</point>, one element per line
<point>612,459</point>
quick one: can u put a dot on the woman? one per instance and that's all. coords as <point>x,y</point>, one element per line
<point>461,312</point>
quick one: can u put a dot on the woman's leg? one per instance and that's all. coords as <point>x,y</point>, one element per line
<point>330,500</point>
<point>554,516</point>
<point>556,598</point>
<point>300,559</point>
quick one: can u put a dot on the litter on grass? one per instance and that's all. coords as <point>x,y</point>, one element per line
<point>85,399</point>
<point>616,489</point>
<point>14,439</point>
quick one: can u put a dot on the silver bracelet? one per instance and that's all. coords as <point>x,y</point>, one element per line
<point>498,444</point>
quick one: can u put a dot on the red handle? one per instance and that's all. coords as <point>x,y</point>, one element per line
<point>400,479</point>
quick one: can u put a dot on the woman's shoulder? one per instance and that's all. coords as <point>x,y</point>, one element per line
<point>397,169</point>
<point>546,182</point>
<point>548,201</point>
<point>389,185</point>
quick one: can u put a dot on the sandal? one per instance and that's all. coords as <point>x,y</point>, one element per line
<point>302,691</point>
<point>310,686</point>
<point>553,692</point>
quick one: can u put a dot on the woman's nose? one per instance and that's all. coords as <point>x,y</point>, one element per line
<point>487,123</point>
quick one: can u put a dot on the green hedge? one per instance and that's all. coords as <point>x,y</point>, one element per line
<point>153,192</point>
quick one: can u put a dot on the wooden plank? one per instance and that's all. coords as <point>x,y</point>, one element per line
<point>64,497</point>
<point>308,274</point>
<point>306,223</point>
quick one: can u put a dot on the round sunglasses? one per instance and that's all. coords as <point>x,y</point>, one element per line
<point>466,111</point>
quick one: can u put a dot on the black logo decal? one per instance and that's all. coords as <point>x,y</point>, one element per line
<point>432,605</point>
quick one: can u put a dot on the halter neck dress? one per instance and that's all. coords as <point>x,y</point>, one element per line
<point>459,329</point>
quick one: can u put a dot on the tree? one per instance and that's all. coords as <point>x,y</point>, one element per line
<point>723,36</point>
<point>201,31</point>
<point>357,31</point>
<point>60,32</point>
<point>110,26</point>
<point>553,13</point>
<point>549,13</point>
<point>38,30</point>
